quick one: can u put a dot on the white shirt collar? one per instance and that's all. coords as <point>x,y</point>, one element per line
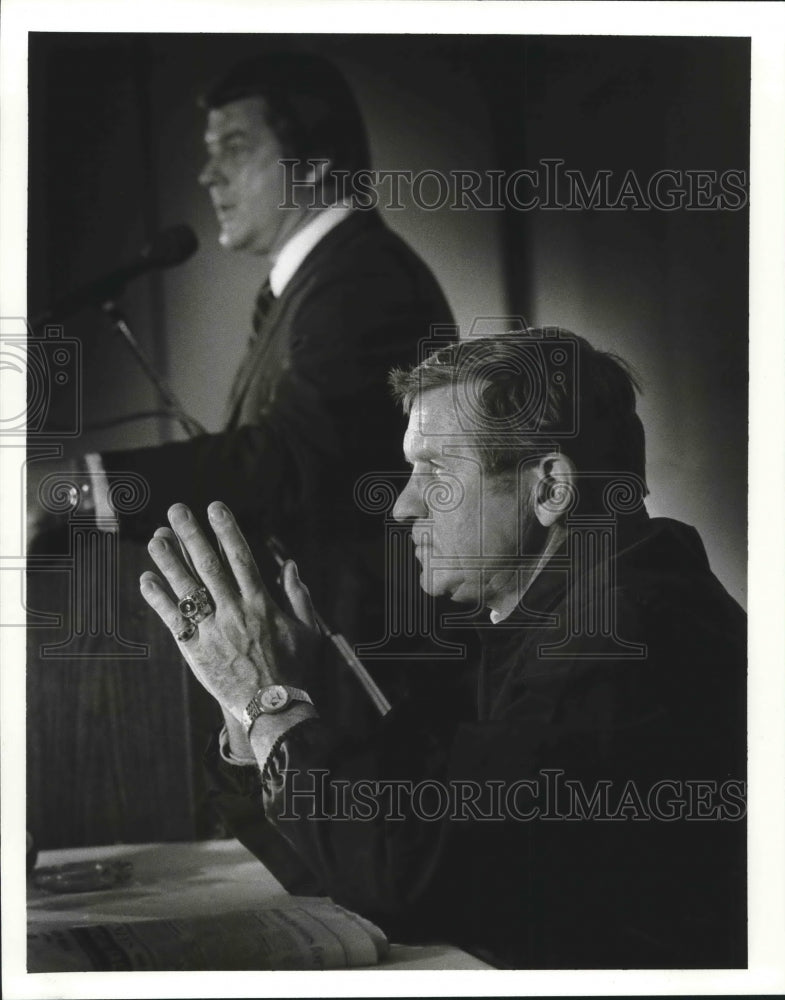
<point>295,250</point>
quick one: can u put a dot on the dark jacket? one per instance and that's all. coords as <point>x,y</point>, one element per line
<point>309,414</point>
<point>595,790</point>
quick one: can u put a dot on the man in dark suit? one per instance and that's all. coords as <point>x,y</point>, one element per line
<point>343,300</point>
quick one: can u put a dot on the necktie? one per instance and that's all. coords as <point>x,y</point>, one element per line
<point>262,306</point>
<point>264,302</point>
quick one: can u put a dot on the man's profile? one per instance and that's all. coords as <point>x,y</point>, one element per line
<point>584,808</point>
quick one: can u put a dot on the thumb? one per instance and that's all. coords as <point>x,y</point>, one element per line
<point>298,596</point>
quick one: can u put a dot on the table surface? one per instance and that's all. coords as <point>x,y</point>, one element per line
<point>193,879</point>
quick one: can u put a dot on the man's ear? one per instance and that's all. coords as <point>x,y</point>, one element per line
<point>312,183</point>
<point>554,488</point>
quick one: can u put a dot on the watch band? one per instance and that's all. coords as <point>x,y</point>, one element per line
<point>271,700</point>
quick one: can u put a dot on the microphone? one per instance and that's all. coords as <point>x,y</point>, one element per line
<point>167,249</point>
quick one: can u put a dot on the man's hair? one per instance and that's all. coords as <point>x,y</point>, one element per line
<point>520,394</point>
<point>309,106</point>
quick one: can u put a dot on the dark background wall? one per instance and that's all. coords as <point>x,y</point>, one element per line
<point>668,290</point>
<point>115,148</point>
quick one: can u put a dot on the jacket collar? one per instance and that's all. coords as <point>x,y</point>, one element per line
<point>329,244</point>
<point>297,248</point>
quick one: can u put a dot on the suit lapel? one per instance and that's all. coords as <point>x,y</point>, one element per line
<point>330,244</point>
<point>257,348</point>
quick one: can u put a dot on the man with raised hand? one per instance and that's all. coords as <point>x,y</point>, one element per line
<point>585,811</point>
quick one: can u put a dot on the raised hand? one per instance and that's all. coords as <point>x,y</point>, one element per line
<point>241,639</point>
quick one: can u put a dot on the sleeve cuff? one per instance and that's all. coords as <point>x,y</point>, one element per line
<point>269,730</point>
<point>225,751</point>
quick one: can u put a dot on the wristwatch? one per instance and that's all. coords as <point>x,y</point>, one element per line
<point>271,700</point>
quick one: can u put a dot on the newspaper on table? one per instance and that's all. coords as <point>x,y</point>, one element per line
<point>309,934</point>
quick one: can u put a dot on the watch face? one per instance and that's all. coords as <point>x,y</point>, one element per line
<point>274,698</point>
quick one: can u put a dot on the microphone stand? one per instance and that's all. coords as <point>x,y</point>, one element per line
<point>189,425</point>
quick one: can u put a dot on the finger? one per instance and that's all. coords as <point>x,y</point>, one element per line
<point>155,594</point>
<point>166,532</point>
<point>167,558</point>
<point>299,597</point>
<point>178,546</point>
<point>235,549</point>
<point>206,561</point>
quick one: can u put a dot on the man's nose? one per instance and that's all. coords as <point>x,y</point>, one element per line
<point>409,504</point>
<point>210,174</point>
